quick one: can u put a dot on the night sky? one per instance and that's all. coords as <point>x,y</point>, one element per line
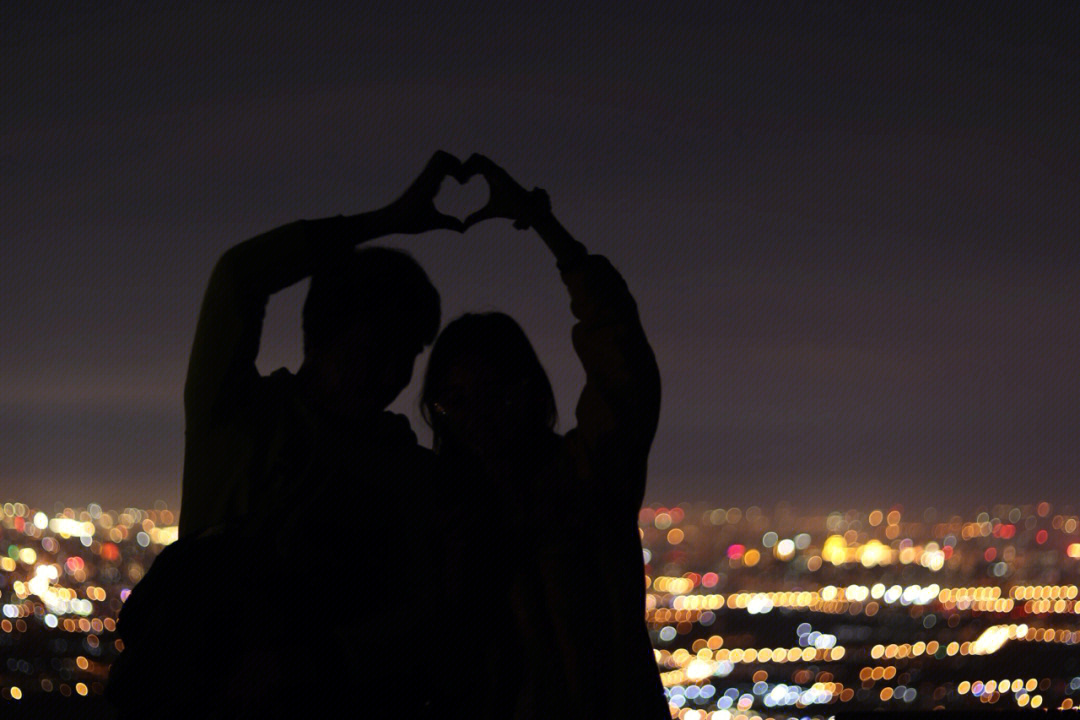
<point>852,234</point>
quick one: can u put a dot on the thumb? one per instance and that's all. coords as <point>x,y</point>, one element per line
<point>449,222</point>
<point>480,215</point>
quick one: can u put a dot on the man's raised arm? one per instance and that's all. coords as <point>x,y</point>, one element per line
<point>221,369</point>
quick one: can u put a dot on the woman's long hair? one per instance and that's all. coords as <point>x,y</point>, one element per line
<point>512,369</point>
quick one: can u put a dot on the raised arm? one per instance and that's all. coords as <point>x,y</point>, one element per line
<point>619,407</point>
<point>221,369</point>
<point>226,344</point>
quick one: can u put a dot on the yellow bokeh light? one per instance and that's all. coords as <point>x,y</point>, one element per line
<point>698,670</point>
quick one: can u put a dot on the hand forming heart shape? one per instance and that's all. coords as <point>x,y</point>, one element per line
<point>415,210</point>
<point>465,196</point>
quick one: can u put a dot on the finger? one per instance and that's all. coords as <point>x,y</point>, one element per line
<point>443,164</point>
<point>479,164</point>
<point>439,166</point>
<point>493,173</point>
<point>479,216</point>
<point>449,222</point>
<point>469,168</point>
<point>442,158</point>
<point>464,172</point>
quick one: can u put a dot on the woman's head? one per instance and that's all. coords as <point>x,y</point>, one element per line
<point>485,389</point>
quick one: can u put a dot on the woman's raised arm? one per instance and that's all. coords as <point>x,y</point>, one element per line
<point>619,406</point>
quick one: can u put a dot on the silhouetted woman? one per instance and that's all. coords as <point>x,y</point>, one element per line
<point>551,544</point>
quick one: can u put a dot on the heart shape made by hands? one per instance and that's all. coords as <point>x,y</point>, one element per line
<point>460,198</point>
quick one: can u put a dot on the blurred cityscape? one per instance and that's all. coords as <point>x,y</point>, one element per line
<point>752,612</point>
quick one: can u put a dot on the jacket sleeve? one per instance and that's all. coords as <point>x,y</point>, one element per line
<point>619,406</point>
<point>221,374</point>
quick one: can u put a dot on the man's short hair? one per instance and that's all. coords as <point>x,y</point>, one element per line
<point>383,288</point>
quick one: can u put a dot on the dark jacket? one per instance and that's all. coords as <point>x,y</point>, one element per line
<point>304,542</point>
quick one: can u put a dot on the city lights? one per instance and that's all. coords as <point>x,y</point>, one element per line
<point>749,616</point>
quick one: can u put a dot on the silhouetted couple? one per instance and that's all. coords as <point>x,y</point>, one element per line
<point>327,561</point>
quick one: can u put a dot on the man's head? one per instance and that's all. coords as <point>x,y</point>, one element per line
<point>368,314</point>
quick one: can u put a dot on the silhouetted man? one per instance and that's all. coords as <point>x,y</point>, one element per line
<point>306,517</point>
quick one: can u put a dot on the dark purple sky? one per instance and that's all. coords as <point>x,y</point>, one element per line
<point>852,234</point>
